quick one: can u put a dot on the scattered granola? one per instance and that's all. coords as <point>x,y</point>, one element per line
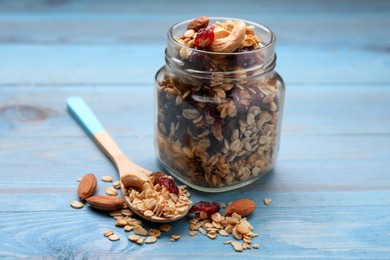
<point>108,233</point>
<point>160,197</point>
<point>174,238</point>
<point>267,201</point>
<point>76,204</point>
<point>150,240</point>
<point>165,227</point>
<point>113,237</point>
<point>107,178</point>
<point>214,224</point>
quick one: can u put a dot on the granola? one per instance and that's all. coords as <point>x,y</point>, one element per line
<point>218,115</point>
<point>157,199</point>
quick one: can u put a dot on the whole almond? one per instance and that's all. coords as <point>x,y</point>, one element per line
<point>106,203</point>
<point>242,207</point>
<point>87,186</point>
<point>198,23</point>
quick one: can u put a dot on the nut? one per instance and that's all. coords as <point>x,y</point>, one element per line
<point>106,203</point>
<point>232,42</point>
<point>87,186</point>
<point>198,23</point>
<point>242,207</point>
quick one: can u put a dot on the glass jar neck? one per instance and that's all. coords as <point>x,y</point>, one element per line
<point>242,63</point>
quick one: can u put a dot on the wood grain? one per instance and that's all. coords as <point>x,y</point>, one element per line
<point>330,188</point>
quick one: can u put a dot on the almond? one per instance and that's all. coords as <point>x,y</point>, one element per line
<point>198,23</point>
<point>106,203</point>
<point>87,186</point>
<point>242,207</point>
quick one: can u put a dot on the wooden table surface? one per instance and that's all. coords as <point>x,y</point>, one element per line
<point>330,188</point>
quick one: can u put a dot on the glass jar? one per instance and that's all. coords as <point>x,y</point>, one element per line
<point>218,115</point>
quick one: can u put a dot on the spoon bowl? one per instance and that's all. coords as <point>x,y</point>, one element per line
<point>132,176</point>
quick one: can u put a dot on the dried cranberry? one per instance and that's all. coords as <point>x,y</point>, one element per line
<point>197,61</point>
<point>169,184</point>
<point>156,177</point>
<point>204,37</point>
<point>247,58</point>
<point>205,206</point>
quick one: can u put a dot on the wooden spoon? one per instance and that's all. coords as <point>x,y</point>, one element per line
<point>131,174</point>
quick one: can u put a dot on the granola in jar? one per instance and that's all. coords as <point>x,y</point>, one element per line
<point>219,103</point>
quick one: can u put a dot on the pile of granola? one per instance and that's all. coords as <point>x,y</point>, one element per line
<point>160,197</point>
<point>220,128</point>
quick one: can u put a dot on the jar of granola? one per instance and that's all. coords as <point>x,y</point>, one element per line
<point>219,103</point>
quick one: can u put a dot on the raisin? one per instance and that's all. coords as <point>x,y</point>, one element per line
<point>204,37</point>
<point>169,184</point>
<point>247,58</point>
<point>205,206</point>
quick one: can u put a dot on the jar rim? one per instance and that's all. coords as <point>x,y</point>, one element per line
<point>263,48</point>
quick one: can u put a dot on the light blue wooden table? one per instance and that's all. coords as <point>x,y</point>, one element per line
<point>330,189</point>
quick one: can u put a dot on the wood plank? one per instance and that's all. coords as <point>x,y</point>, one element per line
<point>324,29</point>
<point>340,232</point>
<point>309,110</point>
<point>299,7</point>
<point>302,22</point>
<point>138,64</point>
<point>334,164</point>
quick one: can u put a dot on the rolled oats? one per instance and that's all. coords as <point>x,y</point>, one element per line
<point>154,232</point>
<point>108,233</point>
<point>237,246</point>
<point>160,197</point>
<point>107,178</point>
<point>111,191</point>
<point>218,117</point>
<point>165,227</point>
<point>150,240</point>
<point>113,237</point>
<point>139,230</point>
<point>76,204</point>
<point>256,246</point>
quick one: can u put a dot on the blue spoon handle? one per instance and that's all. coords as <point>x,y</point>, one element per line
<point>84,115</point>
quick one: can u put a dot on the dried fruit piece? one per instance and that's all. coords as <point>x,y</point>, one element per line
<point>107,203</point>
<point>242,207</point>
<point>87,186</point>
<point>169,184</point>
<point>205,206</point>
<point>155,176</point>
<point>204,37</point>
<point>198,23</point>
<point>76,204</point>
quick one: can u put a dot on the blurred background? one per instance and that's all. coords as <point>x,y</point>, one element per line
<point>57,42</point>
